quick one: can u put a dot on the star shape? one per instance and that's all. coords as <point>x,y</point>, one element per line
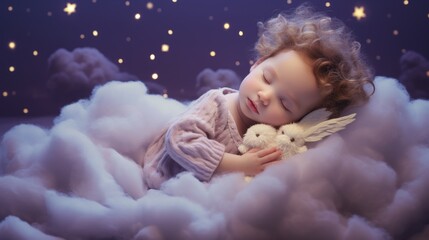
<point>71,8</point>
<point>359,13</point>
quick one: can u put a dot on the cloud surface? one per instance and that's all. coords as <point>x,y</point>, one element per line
<point>79,179</point>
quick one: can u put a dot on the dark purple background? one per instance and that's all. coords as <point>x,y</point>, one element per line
<point>197,29</point>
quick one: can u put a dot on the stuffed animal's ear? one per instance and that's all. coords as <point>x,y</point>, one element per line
<point>314,118</point>
<point>326,128</point>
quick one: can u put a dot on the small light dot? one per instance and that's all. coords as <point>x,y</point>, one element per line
<point>120,60</point>
<point>10,8</point>
<point>211,18</point>
<point>5,94</point>
<point>128,39</point>
<point>406,2</point>
<point>137,16</point>
<point>289,1</point>
<point>25,110</point>
<point>49,14</point>
<point>82,36</point>
<point>11,69</point>
<point>368,40</point>
<point>240,33</point>
<point>35,53</point>
<point>127,3</point>
<point>94,1</point>
<point>251,62</point>
<point>175,1</point>
<point>165,47</point>
<point>155,76</point>
<point>403,50</point>
<point>170,32</point>
<point>327,4</point>
<point>395,32</point>
<point>226,26</point>
<point>165,95</point>
<point>212,53</point>
<point>95,33</point>
<point>427,73</point>
<point>12,45</point>
<point>378,57</point>
<point>159,10</point>
<point>226,9</point>
<point>237,63</point>
<point>428,15</point>
<point>149,5</point>
<point>152,57</point>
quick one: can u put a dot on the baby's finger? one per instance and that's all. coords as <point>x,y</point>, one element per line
<point>271,157</point>
<point>266,151</point>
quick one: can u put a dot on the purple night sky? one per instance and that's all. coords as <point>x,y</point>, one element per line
<point>38,86</point>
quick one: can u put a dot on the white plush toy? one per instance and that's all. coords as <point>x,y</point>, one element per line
<point>291,138</point>
<point>258,136</point>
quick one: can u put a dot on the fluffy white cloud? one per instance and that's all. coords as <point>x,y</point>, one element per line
<point>80,178</point>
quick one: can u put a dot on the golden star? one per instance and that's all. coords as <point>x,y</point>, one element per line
<point>359,13</point>
<point>71,8</point>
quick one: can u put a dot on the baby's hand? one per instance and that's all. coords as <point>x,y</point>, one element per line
<point>256,160</point>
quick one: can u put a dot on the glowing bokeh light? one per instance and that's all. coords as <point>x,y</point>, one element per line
<point>120,60</point>
<point>10,8</point>
<point>35,53</point>
<point>155,76</point>
<point>49,14</point>
<point>359,13</point>
<point>82,36</point>
<point>226,26</point>
<point>240,33</point>
<point>11,69</point>
<point>149,5</point>
<point>12,45</point>
<point>152,57</point>
<point>212,53</point>
<point>289,1</point>
<point>5,94</point>
<point>368,40</point>
<point>137,16</point>
<point>406,2</point>
<point>165,47</point>
<point>25,110</point>
<point>327,4</point>
<point>70,8</point>
<point>237,63</point>
<point>127,3</point>
<point>170,32</point>
<point>395,32</point>
<point>175,1</point>
<point>95,33</point>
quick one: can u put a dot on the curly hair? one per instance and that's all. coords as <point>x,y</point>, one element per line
<point>338,64</point>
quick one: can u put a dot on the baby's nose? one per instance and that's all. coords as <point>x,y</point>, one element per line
<point>265,96</point>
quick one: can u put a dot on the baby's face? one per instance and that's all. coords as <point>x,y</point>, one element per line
<point>279,90</point>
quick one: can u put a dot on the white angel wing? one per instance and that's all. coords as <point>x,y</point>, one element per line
<point>314,118</point>
<point>326,128</point>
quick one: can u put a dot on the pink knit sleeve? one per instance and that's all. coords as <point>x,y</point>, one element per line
<point>191,140</point>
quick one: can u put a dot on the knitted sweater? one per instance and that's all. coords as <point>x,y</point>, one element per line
<point>194,142</point>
